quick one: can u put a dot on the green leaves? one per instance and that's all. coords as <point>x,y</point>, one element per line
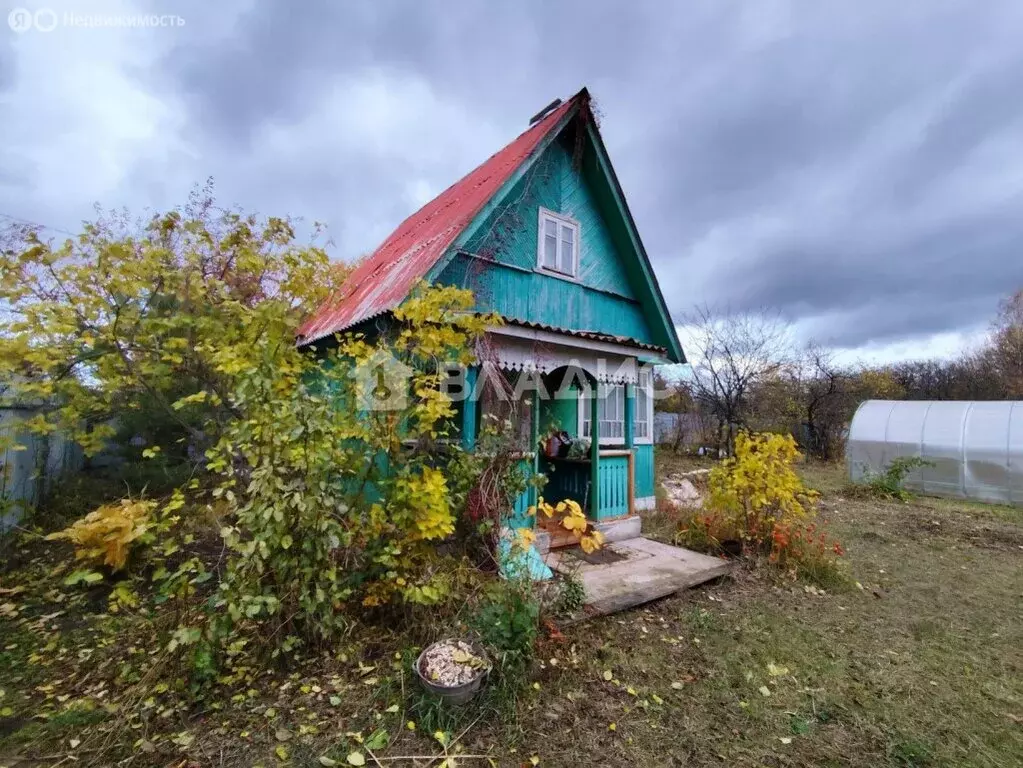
<point>184,636</point>
<point>82,577</point>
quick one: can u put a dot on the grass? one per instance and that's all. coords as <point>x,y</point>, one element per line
<point>922,666</point>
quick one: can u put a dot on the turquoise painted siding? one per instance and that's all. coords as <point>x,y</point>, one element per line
<point>570,480</point>
<point>644,471</point>
<point>614,487</point>
<point>560,413</point>
<point>503,272</point>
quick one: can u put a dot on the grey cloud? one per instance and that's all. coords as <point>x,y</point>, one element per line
<point>844,163</point>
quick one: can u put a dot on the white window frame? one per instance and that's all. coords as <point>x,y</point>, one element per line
<point>563,222</point>
<point>603,391</point>
<point>646,385</point>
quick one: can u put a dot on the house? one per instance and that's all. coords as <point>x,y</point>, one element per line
<point>542,234</point>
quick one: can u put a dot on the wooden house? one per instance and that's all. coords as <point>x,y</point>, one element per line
<point>542,234</point>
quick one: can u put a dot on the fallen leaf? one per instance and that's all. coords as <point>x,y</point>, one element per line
<point>377,740</point>
<point>283,734</point>
<point>785,740</point>
<point>608,675</point>
<point>764,690</point>
<point>776,671</point>
<point>356,758</point>
<point>612,727</point>
<point>327,761</point>
<point>281,752</point>
<point>392,709</point>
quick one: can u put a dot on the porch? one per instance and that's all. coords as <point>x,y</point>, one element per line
<point>632,572</point>
<point>604,407</point>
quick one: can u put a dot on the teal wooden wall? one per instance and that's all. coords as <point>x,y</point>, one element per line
<point>502,269</point>
<point>563,413</point>
<point>644,471</point>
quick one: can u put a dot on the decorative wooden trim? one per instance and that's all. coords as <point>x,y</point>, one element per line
<point>514,352</point>
<point>622,351</point>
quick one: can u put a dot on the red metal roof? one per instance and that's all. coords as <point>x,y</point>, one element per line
<point>384,280</point>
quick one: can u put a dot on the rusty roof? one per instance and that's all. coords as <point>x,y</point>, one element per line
<point>385,278</point>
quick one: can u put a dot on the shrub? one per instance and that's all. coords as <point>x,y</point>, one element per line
<point>759,501</point>
<point>334,503</point>
<point>759,488</point>
<point>107,534</point>
<point>569,516</point>
<point>508,620</point>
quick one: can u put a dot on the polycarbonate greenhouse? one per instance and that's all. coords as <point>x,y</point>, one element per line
<point>976,448</point>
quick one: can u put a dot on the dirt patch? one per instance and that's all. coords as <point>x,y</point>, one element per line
<point>682,491</point>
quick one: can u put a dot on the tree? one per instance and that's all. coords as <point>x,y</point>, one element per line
<point>731,353</point>
<point>159,317</point>
<point>1005,352</point>
<point>828,403</point>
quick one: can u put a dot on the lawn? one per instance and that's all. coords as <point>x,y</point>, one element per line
<point>920,663</point>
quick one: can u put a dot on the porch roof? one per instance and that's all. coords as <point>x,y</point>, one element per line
<point>583,334</point>
<point>518,346</point>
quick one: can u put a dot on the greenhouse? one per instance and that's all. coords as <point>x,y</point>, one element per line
<point>974,449</point>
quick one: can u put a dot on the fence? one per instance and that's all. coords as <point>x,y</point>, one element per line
<point>29,463</point>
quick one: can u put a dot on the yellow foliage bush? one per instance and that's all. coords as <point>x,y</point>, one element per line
<point>759,488</point>
<point>106,535</point>
<point>573,520</point>
<point>758,499</point>
<point>427,497</point>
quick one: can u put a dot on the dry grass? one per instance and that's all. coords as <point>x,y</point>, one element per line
<point>922,666</point>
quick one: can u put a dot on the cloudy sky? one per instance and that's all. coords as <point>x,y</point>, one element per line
<point>856,165</point>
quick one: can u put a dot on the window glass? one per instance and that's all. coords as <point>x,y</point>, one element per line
<point>642,429</point>
<point>567,250</point>
<point>610,413</point>
<point>559,240</point>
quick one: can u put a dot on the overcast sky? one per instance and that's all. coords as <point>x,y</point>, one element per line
<point>856,165</point>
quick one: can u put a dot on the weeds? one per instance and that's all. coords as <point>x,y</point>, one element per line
<point>571,596</point>
<point>890,482</point>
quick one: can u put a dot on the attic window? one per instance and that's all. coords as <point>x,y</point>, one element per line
<point>558,244</point>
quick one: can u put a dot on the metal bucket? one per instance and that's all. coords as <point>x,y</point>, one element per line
<point>451,694</point>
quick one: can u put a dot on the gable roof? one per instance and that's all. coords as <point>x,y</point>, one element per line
<point>381,282</point>
<point>384,280</point>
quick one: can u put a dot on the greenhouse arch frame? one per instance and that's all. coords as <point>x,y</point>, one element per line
<point>975,449</point>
